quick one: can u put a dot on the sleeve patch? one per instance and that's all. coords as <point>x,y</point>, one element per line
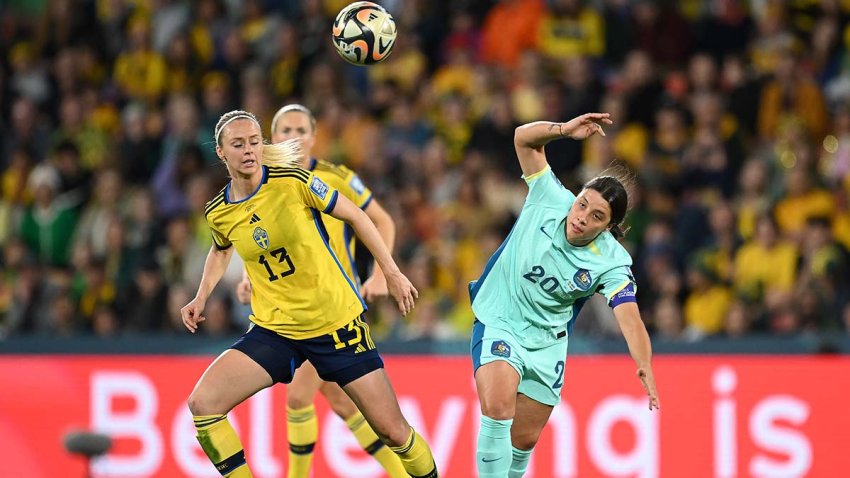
<point>319,188</point>
<point>357,185</point>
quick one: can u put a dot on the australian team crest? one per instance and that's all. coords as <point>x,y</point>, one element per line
<point>261,237</point>
<point>582,279</point>
<point>500,348</point>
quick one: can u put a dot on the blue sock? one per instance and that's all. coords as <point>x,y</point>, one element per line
<point>519,463</point>
<point>494,448</point>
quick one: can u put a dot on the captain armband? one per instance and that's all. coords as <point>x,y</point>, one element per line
<point>624,295</point>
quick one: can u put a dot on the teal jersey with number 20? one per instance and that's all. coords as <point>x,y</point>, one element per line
<point>535,284</point>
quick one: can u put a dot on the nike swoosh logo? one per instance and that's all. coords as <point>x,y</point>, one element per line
<point>544,232</point>
<point>490,461</point>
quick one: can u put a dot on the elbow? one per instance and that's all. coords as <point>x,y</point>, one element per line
<point>519,136</point>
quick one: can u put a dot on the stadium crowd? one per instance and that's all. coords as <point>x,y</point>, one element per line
<point>734,117</point>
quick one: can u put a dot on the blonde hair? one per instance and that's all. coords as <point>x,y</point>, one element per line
<point>297,108</point>
<point>286,153</point>
<point>229,117</point>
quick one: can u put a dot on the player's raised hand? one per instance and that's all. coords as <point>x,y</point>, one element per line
<point>586,125</point>
<point>648,381</point>
<point>243,291</point>
<point>191,314</point>
<point>375,287</point>
<point>402,291</point>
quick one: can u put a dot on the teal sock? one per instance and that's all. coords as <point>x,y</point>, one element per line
<point>519,463</point>
<point>494,448</point>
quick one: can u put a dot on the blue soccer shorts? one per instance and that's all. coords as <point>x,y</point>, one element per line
<point>341,356</point>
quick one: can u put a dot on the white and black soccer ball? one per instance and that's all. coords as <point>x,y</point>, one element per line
<point>364,33</point>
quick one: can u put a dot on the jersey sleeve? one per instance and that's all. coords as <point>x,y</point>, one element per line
<point>618,286</point>
<point>318,194</point>
<point>220,241</point>
<point>544,189</point>
<point>354,189</point>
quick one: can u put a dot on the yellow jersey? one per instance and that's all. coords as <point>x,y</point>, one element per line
<point>341,234</point>
<point>299,287</point>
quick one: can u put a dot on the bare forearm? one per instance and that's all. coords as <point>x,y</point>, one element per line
<point>639,344</point>
<point>535,135</point>
<point>214,268</point>
<point>385,225</point>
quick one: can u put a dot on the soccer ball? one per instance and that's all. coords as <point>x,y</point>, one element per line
<point>364,33</point>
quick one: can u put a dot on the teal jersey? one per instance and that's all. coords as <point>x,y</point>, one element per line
<point>535,283</point>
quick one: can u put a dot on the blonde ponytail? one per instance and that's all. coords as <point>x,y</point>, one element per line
<point>286,153</point>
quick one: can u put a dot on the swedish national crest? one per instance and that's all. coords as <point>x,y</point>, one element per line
<point>261,237</point>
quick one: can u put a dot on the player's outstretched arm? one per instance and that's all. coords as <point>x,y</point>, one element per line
<point>214,268</point>
<point>376,285</point>
<point>631,325</point>
<point>398,285</point>
<point>530,138</point>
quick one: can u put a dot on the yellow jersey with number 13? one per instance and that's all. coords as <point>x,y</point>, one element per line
<point>299,288</point>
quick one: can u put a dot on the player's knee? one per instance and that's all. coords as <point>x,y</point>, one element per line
<point>295,400</point>
<point>524,441</point>
<point>392,434</point>
<point>498,408</point>
<point>202,404</point>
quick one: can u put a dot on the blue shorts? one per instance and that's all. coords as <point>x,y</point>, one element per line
<point>541,371</point>
<point>341,356</point>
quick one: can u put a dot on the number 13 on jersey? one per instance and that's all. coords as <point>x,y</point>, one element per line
<point>282,258</point>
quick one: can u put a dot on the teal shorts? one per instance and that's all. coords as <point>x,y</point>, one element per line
<point>541,371</point>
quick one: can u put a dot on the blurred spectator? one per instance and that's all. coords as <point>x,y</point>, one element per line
<point>47,223</point>
<point>140,72</point>
<point>509,28</point>
<point>752,199</point>
<point>743,93</point>
<point>493,137</point>
<point>802,200</point>
<point>707,304</point>
<point>571,28</point>
<point>180,258</point>
<point>661,31</point>
<point>28,131</point>
<point>667,320</point>
<point>217,313</point>
<point>772,38</point>
<point>582,90</point>
<point>143,305</point>
<point>738,320</point>
<point>791,96</point>
<point>103,208</point>
<point>765,263</point>
<point>140,147</point>
<point>29,79</point>
<point>105,322</point>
